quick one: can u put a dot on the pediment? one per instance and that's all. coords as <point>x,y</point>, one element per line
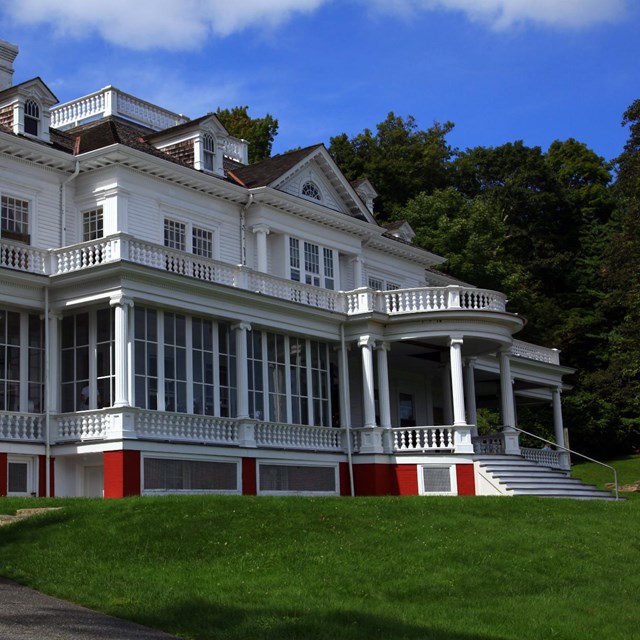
<point>33,89</point>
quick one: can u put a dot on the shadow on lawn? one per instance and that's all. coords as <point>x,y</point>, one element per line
<point>197,618</point>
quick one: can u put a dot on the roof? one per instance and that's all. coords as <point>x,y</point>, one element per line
<point>263,173</point>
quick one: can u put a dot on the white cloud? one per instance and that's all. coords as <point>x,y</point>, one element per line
<point>163,24</point>
<point>186,24</point>
<point>502,14</point>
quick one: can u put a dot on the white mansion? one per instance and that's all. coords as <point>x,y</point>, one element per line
<point>173,319</point>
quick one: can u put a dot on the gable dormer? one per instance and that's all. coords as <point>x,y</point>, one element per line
<point>24,108</point>
<point>366,192</point>
<point>400,229</point>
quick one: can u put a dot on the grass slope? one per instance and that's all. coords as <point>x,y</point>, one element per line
<point>284,568</point>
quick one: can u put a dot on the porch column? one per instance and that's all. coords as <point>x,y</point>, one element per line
<point>357,272</point>
<point>511,445</point>
<point>457,387</point>
<point>242,369</point>
<point>383,385</point>
<point>261,231</point>
<point>53,388</point>
<point>470,393</point>
<point>558,427</point>
<point>121,350</point>
<point>366,343</point>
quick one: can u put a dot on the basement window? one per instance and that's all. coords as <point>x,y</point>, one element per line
<point>170,475</point>
<point>438,480</point>
<point>297,479</point>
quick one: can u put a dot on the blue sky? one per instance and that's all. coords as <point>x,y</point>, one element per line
<point>501,70</point>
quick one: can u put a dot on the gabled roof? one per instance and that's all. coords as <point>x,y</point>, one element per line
<point>275,171</point>
<point>195,124</point>
<point>34,84</point>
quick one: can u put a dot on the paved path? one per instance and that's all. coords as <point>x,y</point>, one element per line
<point>28,615</point>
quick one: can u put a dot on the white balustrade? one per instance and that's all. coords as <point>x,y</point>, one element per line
<point>401,301</point>
<point>21,426</point>
<point>81,426</point>
<point>87,254</point>
<point>534,352</point>
<point>546,457</point>
<point>492,443</point>
<point>186,427</point>
<point>297,436</point>
<point>433,438</point>
<point>22,257</point>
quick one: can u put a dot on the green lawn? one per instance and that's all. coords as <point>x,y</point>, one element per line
<point>311,568</point>
<point>628,469</point>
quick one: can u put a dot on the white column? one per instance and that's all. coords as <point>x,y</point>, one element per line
<point>261,231</point>
<point>242,369</point>
<point>366,343</point>
<point>558,428</point>
<point>470,395</point>
<point>121,351</point>
<point>447,409</point>
<point>383,385</point>
<point>357,272</point>
<point>457,387</point>
<point>511,445</point>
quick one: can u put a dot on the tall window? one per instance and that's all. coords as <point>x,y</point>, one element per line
<point>208,152</point>
<point>105,366</point>
<point>315,266</point>
<point>31,117</point>
<point>298,374</point>
<point>9,361</point>
<point>203,366</point>
<point>92,225</point>
<point>146,356</point>
<point>202,242</point>
<point>277,367</point>
<point>175,235</point>
<point>175,363</point>
<point>14,218</point>
<point>320,383</point>
<point>36,365</point>
<point>256,383</point>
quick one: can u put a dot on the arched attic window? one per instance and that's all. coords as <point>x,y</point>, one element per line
<point>311,190</point>
<point>208,152</point>
<point>31,117</point>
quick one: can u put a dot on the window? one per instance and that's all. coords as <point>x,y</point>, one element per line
<point>256,386</point>
<point>317,268</point>
<point>18,478</point>
<point>175,363</point>
<point>208,152</point>
<point>175,235</point>
<point>320,383</point>
<point>14,218</point>
<point>298,377</point>
<point>227,364</point>
<point>310,190</point>
<point>202,242</point>
<point>9,361</point>
<point>31,117</point>
<point>203,366</point>
<point>146,358</point>
<point>92,225</point>
<point>277,367</point>
<point>166,474</point>
<point>438,480</point>
<point>382,285</point>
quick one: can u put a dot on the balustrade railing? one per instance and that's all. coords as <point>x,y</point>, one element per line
<point>534,352</point>
<point>298,436</point>
<point>21,426</point>
<point>439,438</point>
<point>190,428</point>
<point>81,426</point>
<point>23,257</point>
<point>492,443</point>
<point>546,457</point>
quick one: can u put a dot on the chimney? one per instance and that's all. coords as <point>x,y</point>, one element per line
<point>8,53</point>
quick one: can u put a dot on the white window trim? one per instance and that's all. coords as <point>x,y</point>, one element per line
<point>453,479</point>
<point>189,226</point>
<point>321,262</point>
<point>32,470</point>
<point>293,463</point>
<point>192,458</point>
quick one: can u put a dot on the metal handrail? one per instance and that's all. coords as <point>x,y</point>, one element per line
<point>571,451</point>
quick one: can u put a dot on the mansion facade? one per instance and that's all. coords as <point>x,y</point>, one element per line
<point>173,319</point>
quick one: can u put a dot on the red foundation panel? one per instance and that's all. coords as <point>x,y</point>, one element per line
<point>4,471</point>
<point>42,476</point>
<point>374,480</point>
<point>345,482</point>
<point>249,477</point>
<point>406,479</point>
<point>121,474</point>
<point>466,481</point>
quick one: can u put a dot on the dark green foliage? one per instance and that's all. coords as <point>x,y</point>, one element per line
<point>259,132</point>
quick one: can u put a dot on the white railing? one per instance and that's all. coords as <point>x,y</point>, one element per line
<point>546,457</point>
<point>188,428</point>
<point>492,443</point>
<point>86,255</point>
<point>21,426</point>
<point>298,436</point>
<point>23,257</point>
<point>438,438</point>
<point>81,426</point>
<point>111,101</point>
<point>534,352</point>
<point>402,301</point>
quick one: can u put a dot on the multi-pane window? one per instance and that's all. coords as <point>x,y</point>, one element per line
<point>256,385</point>
<point>14,218</point>
<point>92,225</point>
<point>202,242</point>
<point>31,117</point>
<point>87,349</point>
<point>18,477</point>
<point>146,357</point>
<point>175,363</point>
<point>227,369</point>
<point>320,383</point>
<point>203,356</point>
<point>382,285</point>
<point>298,377</point>
<point>175,235</point>
<point>208,152</point>
<point>35,374</point>
<point>310,190</point>
<point>9,361</point>
<point>277,382</point>
<point>317,267</point>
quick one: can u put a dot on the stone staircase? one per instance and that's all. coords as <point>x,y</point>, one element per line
<point>515,476</point>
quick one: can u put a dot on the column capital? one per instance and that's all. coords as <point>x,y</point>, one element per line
<point>470,361</point>
<point>55,314</point>
<point>382,346</point>
<point>366,341</point>
<point>261,228</point>
<point>242,326</point>
<point>120,300</point>
<point>456,340</point>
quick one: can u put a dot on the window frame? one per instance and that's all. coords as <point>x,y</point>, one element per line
<point>20,230</point>
<point>92,224</point>
<point>312,263</point>
<point>32,115</point>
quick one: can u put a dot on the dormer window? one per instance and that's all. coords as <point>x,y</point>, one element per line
<point>310,190</point>
<point>208,152</point>
<point>31,117</point>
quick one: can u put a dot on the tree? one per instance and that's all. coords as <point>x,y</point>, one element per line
<point>259,132</point>
<point>399,159</point>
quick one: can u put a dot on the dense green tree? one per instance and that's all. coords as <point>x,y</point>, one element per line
<point>259,132</point>
<point>399,159</point>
